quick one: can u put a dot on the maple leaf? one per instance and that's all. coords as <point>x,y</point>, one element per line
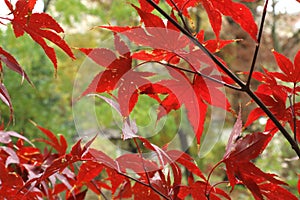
<point>201,190</point>
<point>239,169</point>
<point>237,11</point>
<point>39,26</point>
<point>273,95</point>
<point>187,161</point>
<point>5,137</point>
<point>60,145</point>
<point>291,72</point>
<point>116,67</point>
<point>118,75</point>
<point>213,45</point>
<point>5,98</point>
<point>179,91</point>
<point>12,63</point>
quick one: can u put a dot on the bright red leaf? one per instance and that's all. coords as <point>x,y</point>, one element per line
<point>237,11</point>
<point>59,145</point>
<point>291,72</point>
<point>39,26</point>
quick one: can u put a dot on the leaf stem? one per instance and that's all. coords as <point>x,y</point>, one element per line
<point>292,100</point>
<point>258,43</point>
<point>213,186</point>
<point>203,75</point>
<point>210,173</point>
<point>227,71</point>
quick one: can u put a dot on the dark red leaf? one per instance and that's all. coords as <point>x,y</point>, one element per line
<point>199,191</point>
<point>275,192</point>
<point>9,5</point>
<point>143,192</point>
<point>187,161</point>
<point>99,156</point>
<point>31,4</point>
<point>79,196</point>
<point>125,191</point>
<point>5,98</point>
<point>248,147</point>
<point>12,63</point>
<point>135,163</point>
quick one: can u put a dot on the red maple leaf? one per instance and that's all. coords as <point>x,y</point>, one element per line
<point>201,190</point>
<point>291,72</point>
<point>39,26</point>
<point>239,169</point>
<point>118,74</point>
<point>237,11</point>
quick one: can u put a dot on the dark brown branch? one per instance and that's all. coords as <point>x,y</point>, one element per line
<point>181,16</point>
<point>46,5</point>
<point>258,43</point>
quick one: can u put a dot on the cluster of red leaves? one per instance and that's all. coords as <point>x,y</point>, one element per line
<point>39,26</point>
<point>278,91</point>
<point>178,89</point>
<point>239,152</point>
<point>29,173</point>
<point>167,47</point>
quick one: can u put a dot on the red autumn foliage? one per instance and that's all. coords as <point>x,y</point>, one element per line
<point>195,80</point>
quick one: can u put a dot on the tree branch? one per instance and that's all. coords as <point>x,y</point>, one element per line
<point>258,43</point>
<point>46,5</point>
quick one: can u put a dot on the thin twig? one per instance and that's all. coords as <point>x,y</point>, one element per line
<point>203,75</point>
<point>294,115</point>
<point>99,190</point>
<point>292,100</point>
<point>250,93</point>
<point>213,186</point>
<point>147,175</point>
<point>262,22</point>
<point>181,16</point>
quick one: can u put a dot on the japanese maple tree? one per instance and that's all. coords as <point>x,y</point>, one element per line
<point>195,80</point>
